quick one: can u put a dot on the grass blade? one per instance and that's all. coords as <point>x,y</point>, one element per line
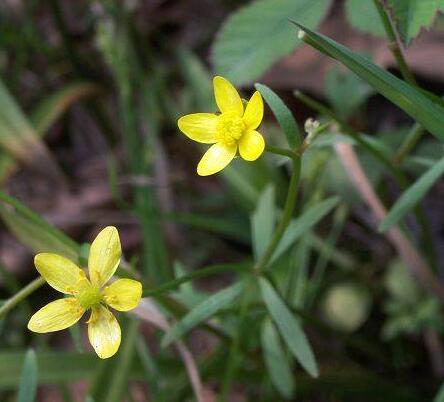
<point>412,196</point>
<point>408,98</point>
<point>28,379</point>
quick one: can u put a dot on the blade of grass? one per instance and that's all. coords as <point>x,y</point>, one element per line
<point>28,379</point>
<point>412,196</point>
<point>408,98</point>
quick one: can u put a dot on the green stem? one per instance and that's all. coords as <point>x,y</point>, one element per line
<point>412,138</point>
<point>311,137</point>
<point>201,273</point>
<point>21,295</point>
<point>394,44</point>
<point>280,151</point>
<point>235,352</point>
<point>286,216</point>
<point>395,47</point>
<point>400,177</point>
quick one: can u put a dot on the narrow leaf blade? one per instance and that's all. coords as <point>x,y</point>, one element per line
<point>276,361</point>
<point>263,220</point>
<point>202,312</point>
<point>408,98</point>
<point>283,115</point>
<point>28,379</point>
<point>303,224</point>
<point>412,196</point>
<point>289,327</point>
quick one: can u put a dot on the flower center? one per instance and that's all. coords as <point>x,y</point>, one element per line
<point>230,128</point>
<point>88,296</point>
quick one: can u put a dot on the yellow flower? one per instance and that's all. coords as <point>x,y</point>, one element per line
<point>66,277</point>
<point>234,128</point>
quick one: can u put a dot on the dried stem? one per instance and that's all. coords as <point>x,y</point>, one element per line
<point>403,245</point>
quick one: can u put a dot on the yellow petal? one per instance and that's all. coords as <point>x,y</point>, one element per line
<point>251,145</point>
<point>103,332</point>
<point>227,97</point>
<point>57,315</point>
<point>123,294</point>
<point>60,273</point>
<point>104,256</point>
<point>216,158</point>
<point>254,112</point>
<point>200,127</point>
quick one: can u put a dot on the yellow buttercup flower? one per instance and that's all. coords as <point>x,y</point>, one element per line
<point>84,294</point>
<point>233,129</point>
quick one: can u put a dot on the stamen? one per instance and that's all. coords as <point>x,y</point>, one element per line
<point>230,128</point>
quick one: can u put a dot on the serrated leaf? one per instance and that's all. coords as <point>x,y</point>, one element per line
<point>283,115</point>
<point>28,378</point>
<point>202,312</point>
<point>276,361</point>
<point>412,196</point>
<point>345,91</point>
<point>263,221</point>
<point>408,98</point>
<point>364,16</point>
<point>289,328</point>
<point>303,224</point>
<point>257,35</point>
<point>411,15</point>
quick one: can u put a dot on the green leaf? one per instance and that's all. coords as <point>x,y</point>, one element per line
<point>440,395</point>
<point>28,379</point>
<point>303,224</point>
<point>412,196</point>
<point>54,367</point>
<point>263,221</point>
<point>276,361</point>
<point>33,231</point>
<point>56,104</point>
<point>202,312</point>
<point>19,139</point>
<point>259,34</point>
<point>345,91</point>
<point>412,101</point>
<point>289,328</point>
<point>364,16</point>
<point>283,115</point>
<point>411,15</point>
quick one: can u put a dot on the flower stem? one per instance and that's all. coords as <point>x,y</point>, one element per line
<point>412,138</point>
<point>394,45</point>
<point>286,216</point>
<point>280,151</point>
<point>201,273</point>
<point>21,295</point>
<point>235,352</point>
